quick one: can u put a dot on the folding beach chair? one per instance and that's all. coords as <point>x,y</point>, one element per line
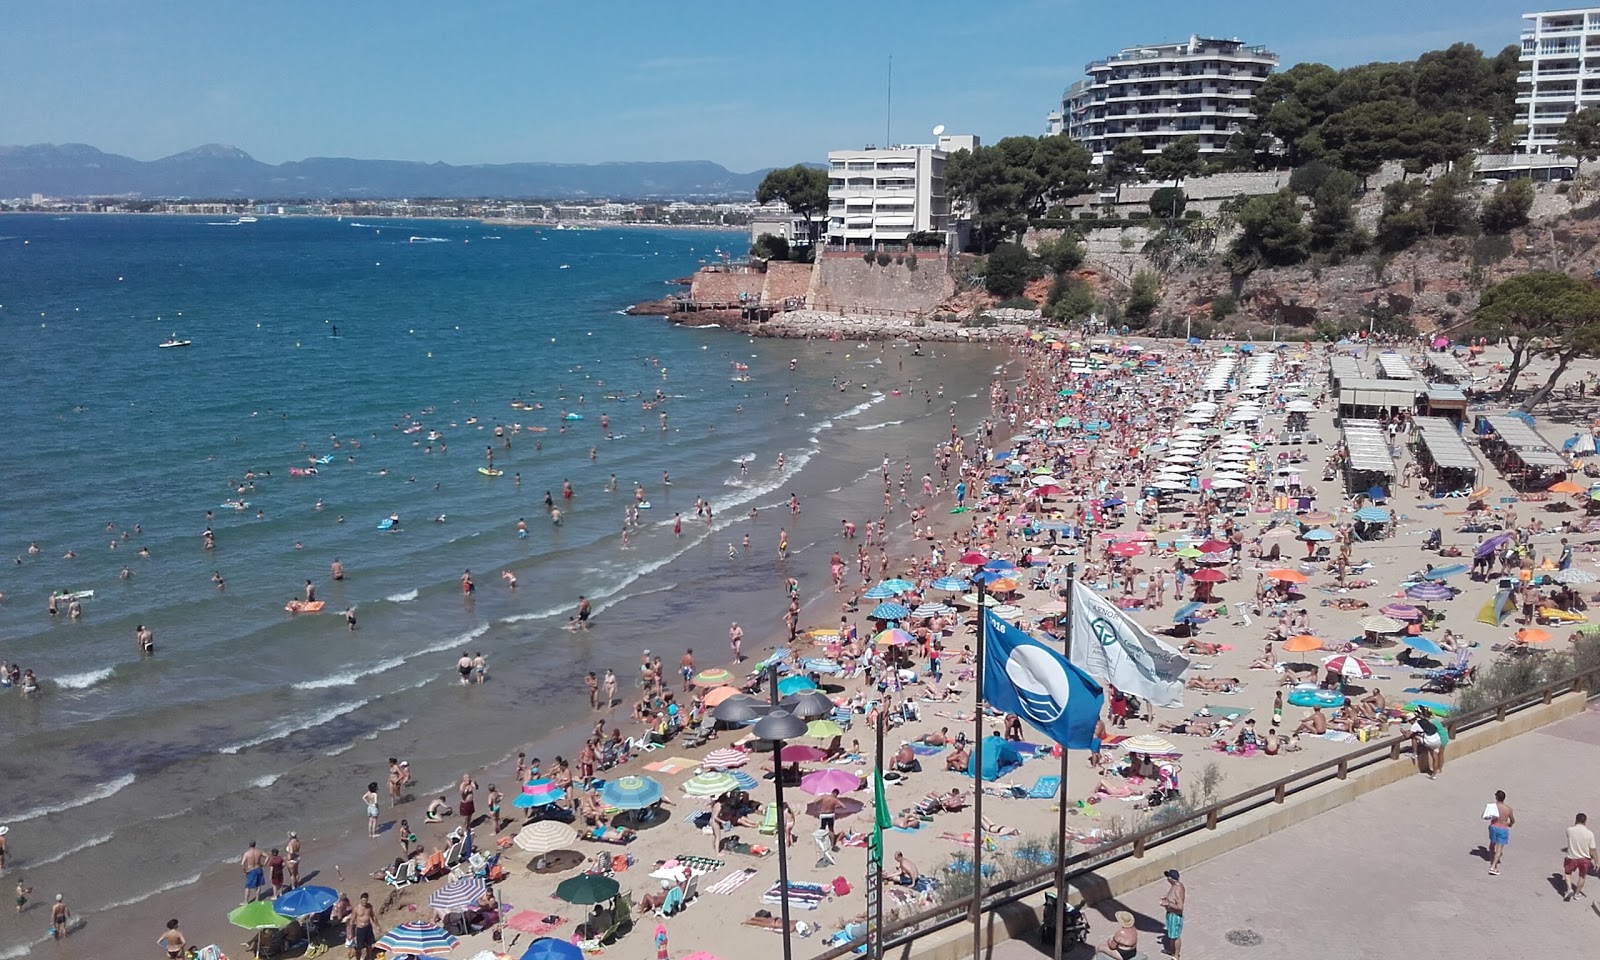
<point>824,847</point>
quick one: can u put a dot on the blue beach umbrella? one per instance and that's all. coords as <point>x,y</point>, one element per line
<point>795,684</point>
<point>1186,611</point>
<point>1372,515</point>
<point>458,894</point>
<point>1316,535</point>
<point>1422,644</point>
<point>630,793</point>
<point>990,576</point>
<point>889,611</point>
<point>899,586</point>
<point>879,592</point>
<point>419,939</point>
<point>746,782</point>
<point>999,563</point>
<point>538,793</point>
<point>304,901</point>
<point>999,479</point>
<point>549,948</point>
<point>952,584</point>
<point>999,455</point>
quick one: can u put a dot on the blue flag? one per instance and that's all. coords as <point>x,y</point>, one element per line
<point>1039,684</point>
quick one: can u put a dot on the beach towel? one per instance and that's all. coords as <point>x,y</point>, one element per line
<point>806,896</point>
<point>701,864</point>
<point>532,923</point>
<point>1044,788</point>
<point>732,881</point>
<point>1226,712</point>
<point>925,750</point>
<point>750,850</point>
<point>1338,736</point>
<point>672,765</point>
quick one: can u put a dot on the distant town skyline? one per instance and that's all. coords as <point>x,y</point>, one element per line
<point>500,82</point>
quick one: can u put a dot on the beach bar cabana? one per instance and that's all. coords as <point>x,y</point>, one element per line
<point>1367,460</point>
<point>1518,451</point>
<point>1446,461</point>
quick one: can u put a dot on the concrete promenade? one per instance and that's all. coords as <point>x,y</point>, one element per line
<point>1400,872</point>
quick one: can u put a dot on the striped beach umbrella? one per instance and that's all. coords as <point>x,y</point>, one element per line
<point>893,638</point>
<point>879,592</point>
<point>714,677</point>
<point>631,793</point>
<point>889,611</point>
<point>710,784</point>
<point>931,610</point>
<point>1347,666</point>
<point>419,939</point>
<point>951,584</point>
<point>898,585</point>
<point>724,757</point>
<point>538,793</point>
<point>1429,592</point>
<point>458,894</point>
<point>744,780</point>
<point>545,836</point>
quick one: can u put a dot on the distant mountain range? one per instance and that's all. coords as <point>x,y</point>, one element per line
<point>217,171</point>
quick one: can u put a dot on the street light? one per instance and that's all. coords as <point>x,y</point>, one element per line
<point>776,727</point>
<point>740,708</point>
<point>810,705</point>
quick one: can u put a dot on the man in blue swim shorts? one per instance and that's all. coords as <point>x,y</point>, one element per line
<point>1173,902</point>
<point>1499,831</point>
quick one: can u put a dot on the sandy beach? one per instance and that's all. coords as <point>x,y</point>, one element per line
<point>732,886</point>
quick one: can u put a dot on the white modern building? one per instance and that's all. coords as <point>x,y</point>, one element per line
<point>882,195</point>
<point>1560,73</point>
<point>1199,88</point>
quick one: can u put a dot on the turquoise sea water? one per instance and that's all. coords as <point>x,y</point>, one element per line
<point>132,775</point>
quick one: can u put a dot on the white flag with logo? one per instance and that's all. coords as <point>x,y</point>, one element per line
<point>1115,650</point>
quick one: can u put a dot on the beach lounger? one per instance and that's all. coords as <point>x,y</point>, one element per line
<point>769,823</point>
<point>672,904</point>
<point>405,876</point>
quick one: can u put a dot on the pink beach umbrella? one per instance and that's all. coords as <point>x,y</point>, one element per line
<point>827,781</point>
<point>725,758</point>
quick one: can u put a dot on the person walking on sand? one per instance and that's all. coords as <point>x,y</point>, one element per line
<point>60,917</point>
<point>735,639</point>
<point>1580,858</point>
<point>584,612</point>
<point>173,941</point>
<point>609,687</point>
<point>253,862</point>
<point>370,798</point>
<point>686,668</point>
<point>362,931</point>
<point>593,683</point>
<point>1172,901</point>
<point>291,857</point>
<point>1501,819</point>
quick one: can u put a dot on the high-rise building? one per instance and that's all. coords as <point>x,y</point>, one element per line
<point>1199,88</point>
<point>885,194</point>
<point>1560,73</point>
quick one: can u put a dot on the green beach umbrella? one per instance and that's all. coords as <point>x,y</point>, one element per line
<point>587,888</point>
<point>1190,553</point>
<point>823,730</point>
<point>257,915</point>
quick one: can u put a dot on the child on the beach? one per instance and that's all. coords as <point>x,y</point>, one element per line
<point>22,895</point>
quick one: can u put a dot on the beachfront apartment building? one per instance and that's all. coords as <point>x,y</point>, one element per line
<point>1560,73</point>
<point>882,195</point>
<point>1200,88</point>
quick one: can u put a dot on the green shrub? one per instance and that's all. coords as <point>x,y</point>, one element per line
<point>911,262</point>
<point>1223,307</point>
<point>867,256</point>
<point>1193,214</point>
<point>1017,303</point>
<point>884,259</point>
<point>1138,215</point>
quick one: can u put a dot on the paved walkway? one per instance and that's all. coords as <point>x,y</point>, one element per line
<point>1401,872</point>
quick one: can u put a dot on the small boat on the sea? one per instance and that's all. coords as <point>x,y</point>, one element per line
<point>247,219</point>
<point>173,341</point>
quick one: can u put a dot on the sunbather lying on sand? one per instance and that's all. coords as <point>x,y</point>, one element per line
<point>1292,678</point>
<point>1203,648</point>
<point>1219,685</point>
<point>1197,726</point>
<point>776,924</point>
<point>1112,788</point>
<point>999,829</point>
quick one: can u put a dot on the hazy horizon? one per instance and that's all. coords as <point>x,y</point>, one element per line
<point>497,82</point>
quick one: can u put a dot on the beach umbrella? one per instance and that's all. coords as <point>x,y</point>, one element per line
<point>1148,743</point>
<point>925,610</point>
<point>1168,484</point>
<point>1401,611</point>
<point>1287,576</point>
<point>988,600</point>
<point>1316,536</point>
<point>999,563</point>
<point>823,730</point>
<point>890,638</point>
<point>1008,611</point>
<point>1372,515</point>
<point>715,677</point>
<point>802,753</point>
<point>458,894</point>
<point>710,784</point>
<point>879,592</point>
<point>538,793</point>
<point>1490,545</point>
<point>1381,624</point>
<point>1227,483</point>
<point>1429,592</point>
<point>795,684</point>
<point>744,780</point>
<point>1004,585</point>
<point>723,758</point>
<point>827,781</point>
<point>1565,486</point>
<point>717,695</point>
<point>1302,643</point>
<point>304,901</point>
<point>1126,550</point>
<point>549,948</point>
<point>1317,516</point>
<point>1277,532</point>
<point>848,806</point>
<point>1422,645</point>
<point>630,793</point>
<point>257,915</point>
<point>889,611</point>
<point>1347,666</point>
<point>1179,458</point>
<point>973,558</point>
<point>1573,575</point>
<point>418,938</point>
<point>1189,553</point>
<point>545,836</point>
<point>587,888</point>
<point>1209,575</point>
<point>1532,635</point>
<point>951,584</point>
<point>1214,546</point>
<point>898,585</point>
<point>1047,490</point>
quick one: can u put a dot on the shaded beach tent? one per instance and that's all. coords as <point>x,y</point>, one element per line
<point>999,758</point>
<point>1494,611</point>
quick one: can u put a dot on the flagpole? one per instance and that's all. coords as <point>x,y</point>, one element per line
<point>977,766</point>
<point>1061,826</point>
<point>875,881</point>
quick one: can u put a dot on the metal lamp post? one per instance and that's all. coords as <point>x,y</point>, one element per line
<point>776,727</point>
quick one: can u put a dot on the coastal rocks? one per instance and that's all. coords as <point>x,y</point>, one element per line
<point>811,324</point>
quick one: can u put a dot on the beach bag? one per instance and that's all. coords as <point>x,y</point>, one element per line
<point>841,887</point>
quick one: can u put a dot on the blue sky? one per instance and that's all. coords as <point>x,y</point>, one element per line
<point>746,85</point>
